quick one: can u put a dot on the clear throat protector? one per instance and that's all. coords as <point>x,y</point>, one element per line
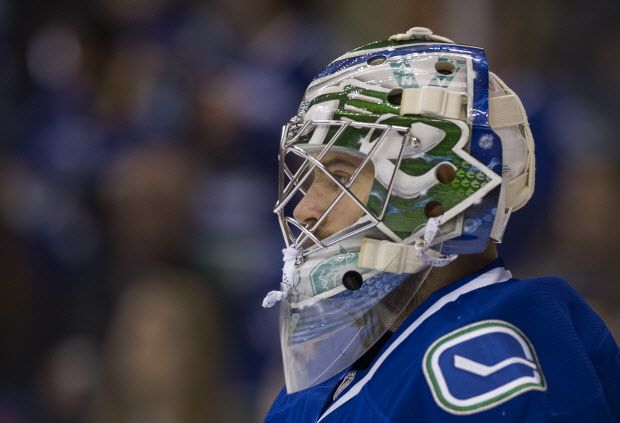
<point>333,308</point>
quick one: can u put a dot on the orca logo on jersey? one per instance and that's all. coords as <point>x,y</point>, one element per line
<point>480,366</point>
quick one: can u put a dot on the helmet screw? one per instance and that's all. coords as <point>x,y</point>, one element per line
<point>352,280</point>
<point>412,141</point>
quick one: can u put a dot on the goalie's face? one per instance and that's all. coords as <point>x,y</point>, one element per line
<point>322,194</point>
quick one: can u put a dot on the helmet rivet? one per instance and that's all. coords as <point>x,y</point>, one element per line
<point>352,280</point>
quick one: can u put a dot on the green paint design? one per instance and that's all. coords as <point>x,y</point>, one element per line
<point>492,402</point>
<point>328,274</point>
<point>403,72</point>
<point>403,216</point>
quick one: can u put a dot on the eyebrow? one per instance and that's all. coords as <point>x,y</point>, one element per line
<point>337,161</point>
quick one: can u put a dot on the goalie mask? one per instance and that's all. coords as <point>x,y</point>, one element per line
<point>404,154</point>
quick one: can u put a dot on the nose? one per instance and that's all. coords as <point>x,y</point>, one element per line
<point>309,210</point>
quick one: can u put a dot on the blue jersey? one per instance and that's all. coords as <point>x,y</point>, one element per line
<point>488,348</point>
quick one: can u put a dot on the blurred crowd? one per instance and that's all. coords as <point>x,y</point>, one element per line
<point>138,171</point>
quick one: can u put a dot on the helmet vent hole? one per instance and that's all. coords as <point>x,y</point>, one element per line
<point>445,173</point>
<point>352,280</point>
<point>376,60</point>
<point>433,209</point>
<point>395,96</point>
<point>444,68</point>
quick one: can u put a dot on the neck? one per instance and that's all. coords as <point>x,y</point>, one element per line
<point>440,277</point>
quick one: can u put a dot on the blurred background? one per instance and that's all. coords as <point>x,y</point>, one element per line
<point>138,170</point>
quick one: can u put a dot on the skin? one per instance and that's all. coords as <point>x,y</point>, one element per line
<point>323,191</point>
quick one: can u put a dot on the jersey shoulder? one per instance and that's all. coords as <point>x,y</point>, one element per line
<point>520,346</point>
<point>536,290</point>
<point>547,302</point>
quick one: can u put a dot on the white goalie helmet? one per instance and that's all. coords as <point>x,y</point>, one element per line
<point>404,154</point>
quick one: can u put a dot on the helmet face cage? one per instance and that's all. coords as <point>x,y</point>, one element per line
<point>292,181</point>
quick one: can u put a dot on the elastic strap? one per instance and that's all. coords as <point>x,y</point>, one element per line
<point>434,101</point>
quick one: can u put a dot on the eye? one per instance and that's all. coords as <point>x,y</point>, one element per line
<point>343,179</point>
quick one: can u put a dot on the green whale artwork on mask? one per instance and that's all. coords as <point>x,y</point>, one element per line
<point>403,215</point>
<point>327,275</point>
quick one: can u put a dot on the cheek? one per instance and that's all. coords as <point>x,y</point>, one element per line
<point>345,213</point>
<point>361,192</point>
<point>322,195</point>
<point>361,188</point>
<point>348,211</point>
